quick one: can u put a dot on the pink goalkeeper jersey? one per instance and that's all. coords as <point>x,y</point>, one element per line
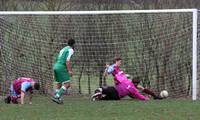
<point>128,88</point>
<point>118,74</point>
<point>123,85</point>
<point>18,82</point>
<point>122,90</point>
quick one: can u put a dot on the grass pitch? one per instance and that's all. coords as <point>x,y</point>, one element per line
<point>81,108</point>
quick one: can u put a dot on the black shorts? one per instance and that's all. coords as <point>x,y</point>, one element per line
<point>110,93</point>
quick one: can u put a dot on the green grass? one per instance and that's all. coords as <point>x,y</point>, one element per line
<point>80,108</point>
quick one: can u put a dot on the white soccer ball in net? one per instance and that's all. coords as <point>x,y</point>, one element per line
<point>164,94</point>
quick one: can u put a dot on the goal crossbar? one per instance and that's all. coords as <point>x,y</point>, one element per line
<point>94,12</point>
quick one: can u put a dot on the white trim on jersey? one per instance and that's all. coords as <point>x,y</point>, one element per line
<point>71,52</point>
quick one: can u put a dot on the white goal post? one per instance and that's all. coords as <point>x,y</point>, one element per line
<point>194,27</point>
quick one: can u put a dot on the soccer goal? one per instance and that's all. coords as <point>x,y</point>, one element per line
<point>158,46</point>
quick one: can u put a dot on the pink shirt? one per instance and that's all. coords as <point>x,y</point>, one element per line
<point>118,74</point>
<point>18,83</point>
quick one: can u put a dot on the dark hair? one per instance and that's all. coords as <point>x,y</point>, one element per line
<point>71,42</point>
<point>136,80</point>
<point>117,59</point>
<point>7,99</point>
<point>37,86</point>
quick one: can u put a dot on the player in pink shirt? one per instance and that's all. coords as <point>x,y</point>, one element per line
<point>116,92</point>
<point>122,84</point>
<point>18,89</point>
<point>120,90</point>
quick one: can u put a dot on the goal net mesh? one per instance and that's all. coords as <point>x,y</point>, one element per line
<point>156,47</point>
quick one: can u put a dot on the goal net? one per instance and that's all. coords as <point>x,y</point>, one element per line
<point>155,46</point>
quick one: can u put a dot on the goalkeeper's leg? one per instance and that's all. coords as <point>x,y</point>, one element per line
<point>149,92</point>
<point>105,93</point>
<point>134,92</point>
<point>110,93</point>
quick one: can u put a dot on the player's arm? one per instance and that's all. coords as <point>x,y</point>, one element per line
<point>68,64</point>
<point>69,68</point>
<point>139,87</point>
<point>109,70</point>
<point>105,71</point>
<point>24,87</point>
<point>30,97</point>
<point>22,97</point>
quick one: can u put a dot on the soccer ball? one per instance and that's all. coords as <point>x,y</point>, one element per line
<point>164,94</point>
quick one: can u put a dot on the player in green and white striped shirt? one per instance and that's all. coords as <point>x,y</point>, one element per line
<point>63,71</point>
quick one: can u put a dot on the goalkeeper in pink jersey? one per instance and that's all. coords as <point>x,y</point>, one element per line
<point>117,92</point>
<point>120,91</point>
<point>18,89</point>
<point>122,84</point>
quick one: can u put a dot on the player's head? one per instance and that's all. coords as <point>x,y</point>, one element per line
<point>117,61</point>
<point>71,42</point>
<point>136,80</point>
<point>36,86</point>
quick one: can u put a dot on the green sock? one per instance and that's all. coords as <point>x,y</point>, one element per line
<point>61,91</point>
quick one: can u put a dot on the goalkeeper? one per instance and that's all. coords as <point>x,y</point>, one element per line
<point>18,89</point>
<point>62,71</point>
<point>120,91</point>
<point>122,84</point>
